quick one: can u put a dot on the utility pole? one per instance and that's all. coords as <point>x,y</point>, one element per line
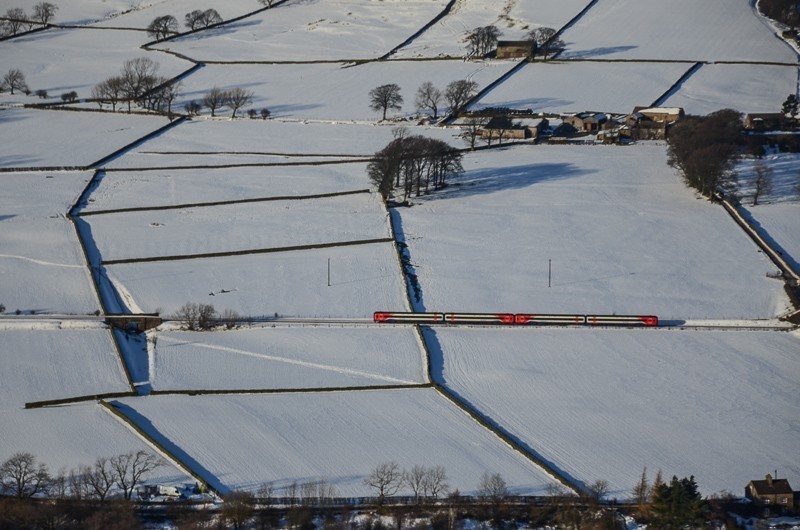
<point>329,272</point>
<point>549,271</point>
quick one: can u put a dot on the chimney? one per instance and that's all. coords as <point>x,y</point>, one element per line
<point>769,480</point>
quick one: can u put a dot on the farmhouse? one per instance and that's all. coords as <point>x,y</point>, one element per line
<point>650,123</point>
<point>587,121</point>
<point>771,492</point>
<point>515,49</point>
<point>765,121</point>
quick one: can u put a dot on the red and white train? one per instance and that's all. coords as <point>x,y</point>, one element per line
<point>511,319</point>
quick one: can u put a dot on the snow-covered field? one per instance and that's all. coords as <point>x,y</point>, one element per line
<point>312,30</point>
<point>63,60</point>
<point>778,211</point>
<point>47,138</point>
<point>721,406</point>
<point>335,91</point>
<point>577,87</point>
<point>187,186</point>
<point>143,12</point>
<point>515,19</point>
<point>624,235</point>
<point>364,279</point>
<point>746,88</point>
<point>227,137</point>
<point>240,442</point>
<point>238,227</point>
<point>58,364</point>
<point>42,267</point>
<point>288,357</point>
<point>680,30</point>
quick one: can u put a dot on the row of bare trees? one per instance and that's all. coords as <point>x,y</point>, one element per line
<point>217,98</point>
<point>137,82</point>
<point>429,98</point>
<point>17,20</point>
<point>414,164</point>
<point>203,317</point>
<point>166,25</point>
<point>387,479</point>
<point>21,476</point>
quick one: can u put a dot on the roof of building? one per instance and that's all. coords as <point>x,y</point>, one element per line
<point>526,43</point>
<point>771,486</point>
<point>661,110</point>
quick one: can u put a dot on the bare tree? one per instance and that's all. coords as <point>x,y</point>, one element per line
<point>15,80</point>
<point>109,91</point>
<point>214,99</point>
<point>237,98</point>
<point>481,41</point>
<point>193,108</point>
<point>385,97</point>
<point>41,94</point>
<point>762,185</point>
<point>202,19</point>
<point>493,487</point>
<point>130,468</point>
<point>16,20</point>
<point>78,487</point>
<point>458,93</point>
<point>641,492</point>
<point>472,128</point>
<point>265,113</point>
<point>69,97</point>
<point>21,476</point>
<point>435,483</point>
<point>138,77</point>
<point>415,480</point>
<point>598,490</point>
<point>229,317</point>
<point>206,314</point>
<point>265,493</point>
<point>385,479</point>
<point>43,12</point>
<point>429,97</point>
<point>238,508</point>
<point>162,27</point>
<point>546,39</point>
<point>99,479</point>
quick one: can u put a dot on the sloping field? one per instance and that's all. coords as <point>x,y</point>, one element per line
<point>363,278</point>
<point>184,186</point>
<point>100,135</point>
<point>679,30</point>
<point>63,60</point>
<point>290,138</point>
<point>239,442</point>
<point>238,227</point>
<point>83,12</point>
<point>563,87</point>
<point>279,358</point>
<point>144,12</point>
<point>605,404</point>
<point>746,88</point>
<point>73,436</point>
<point>57,364</point>
<point>304,91</point>
<point>42,267</point>
<point>515,19</point>
<point>312,30</point>
<point>623,233</point>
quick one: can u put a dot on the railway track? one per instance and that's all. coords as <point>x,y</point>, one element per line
<point>22,321</point>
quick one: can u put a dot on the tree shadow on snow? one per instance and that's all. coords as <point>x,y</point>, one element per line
<point>495,179</point>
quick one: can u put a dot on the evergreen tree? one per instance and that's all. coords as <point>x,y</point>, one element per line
<point>677,505</point>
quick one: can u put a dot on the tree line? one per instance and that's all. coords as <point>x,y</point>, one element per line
<point>414,164</point>
<point>17,19</point>
<point>482,41</point>
<point>428,98</point>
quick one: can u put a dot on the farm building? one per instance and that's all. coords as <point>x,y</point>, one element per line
<point>587,121</point>
<point>766,121</point>
<point>771,492</point>
<point>515,49</point>
<point>650,123</point>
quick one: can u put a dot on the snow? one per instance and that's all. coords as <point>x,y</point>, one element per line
<point>622,231</point>
<point>680,30</point>
<point>363,279</point>
<point>515,19</point>
<point>58,364</point>
<point>100,135</point>
<point>240,227</point>
<point>749,88</point>
<point>305,90</point>
<point>146,11</point>
<point>778,212</point>
<point>240,442</point>
<point>334,139</point>
<point>721,406</point>
<point>171,187</point>
<point>312,30</point>
<point>288,357</point>
<point>42,267</point>
<point>63,60</point>
<point>577,87</point>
